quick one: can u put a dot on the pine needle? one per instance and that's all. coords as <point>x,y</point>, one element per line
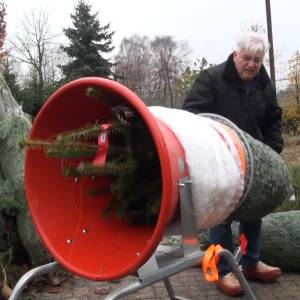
<point>85,133</point>
<point>73,150</point>
<point>36,144</point>
<point>131,164</point>
<point>109,168</point>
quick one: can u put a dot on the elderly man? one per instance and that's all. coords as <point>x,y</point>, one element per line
<point>240,89</point>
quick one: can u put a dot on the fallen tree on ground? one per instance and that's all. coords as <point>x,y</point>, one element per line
<point>280,239</point>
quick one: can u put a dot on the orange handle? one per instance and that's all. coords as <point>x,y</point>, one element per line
<point>243,244</point>
<point>210,261</point>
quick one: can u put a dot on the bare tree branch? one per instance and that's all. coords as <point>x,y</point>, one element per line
<point>35,47</point>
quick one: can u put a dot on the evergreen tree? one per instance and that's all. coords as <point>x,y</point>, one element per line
<point>2,28</point>
<point>31,102</point>
<point>11,78</point>
<point>88,41</point>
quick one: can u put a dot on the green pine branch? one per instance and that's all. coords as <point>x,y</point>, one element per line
<point>60,150</point>
<point>86,133</point>
<point>92,131</point>
<point>132,165</point>
<point>111,168</point>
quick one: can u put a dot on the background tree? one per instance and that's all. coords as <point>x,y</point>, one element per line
<point>35,48</point>
<point>294,77</point>
<point>168,62</point>
<point>291,97</point>
<point>183,84</point>
<point>151,67</point>
<point>11,77</point>
<point>132,64</point>
<point>88,41</point>
<point>2,28</point>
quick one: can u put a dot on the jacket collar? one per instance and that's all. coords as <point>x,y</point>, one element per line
<point>231,74</point>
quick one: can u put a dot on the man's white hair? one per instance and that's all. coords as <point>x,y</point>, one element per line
<point>252,41</point>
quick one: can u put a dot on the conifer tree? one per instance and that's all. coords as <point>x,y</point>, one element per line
<point>88,41</point>
<point>2,28</point>
<point>11,78</point>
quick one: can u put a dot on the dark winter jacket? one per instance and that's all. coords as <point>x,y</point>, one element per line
<point>252,108</point>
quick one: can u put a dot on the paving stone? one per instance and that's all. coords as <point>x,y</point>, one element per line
<point>189,284</point>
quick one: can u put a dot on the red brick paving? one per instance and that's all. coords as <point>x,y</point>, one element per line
<point>190,284</point>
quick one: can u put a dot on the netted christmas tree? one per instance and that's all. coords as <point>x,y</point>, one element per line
<point>19,242</point>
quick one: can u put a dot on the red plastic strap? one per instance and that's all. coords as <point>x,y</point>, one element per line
<point>103,143</point>
<point>210,261</point>
<point>243,243</point>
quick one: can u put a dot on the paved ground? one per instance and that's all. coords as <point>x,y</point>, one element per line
<point>189,284</point>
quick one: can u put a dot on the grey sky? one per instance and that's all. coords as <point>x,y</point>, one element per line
<point>208,26</point>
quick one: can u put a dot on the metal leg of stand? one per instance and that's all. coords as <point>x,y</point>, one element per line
<point>237,271</point>
<point>190,240</point>
<point>238,255</point>
<point>137,285</point>
<point>167,268</point>
<point>154,271</point>
<point>124,291</point>
<point>30,275</point>
<point>171,292</point>
<point>169,288</point>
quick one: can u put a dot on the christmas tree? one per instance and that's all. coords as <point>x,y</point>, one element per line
<point>89,43</point>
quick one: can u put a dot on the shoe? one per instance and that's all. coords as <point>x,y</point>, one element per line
<point>230,285</point>
<point>262,272</point>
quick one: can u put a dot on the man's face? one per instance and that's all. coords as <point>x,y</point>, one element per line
<point>247,63</point>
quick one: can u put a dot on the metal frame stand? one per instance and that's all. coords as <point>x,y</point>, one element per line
<point>165,262</point>
<point>29,276</point>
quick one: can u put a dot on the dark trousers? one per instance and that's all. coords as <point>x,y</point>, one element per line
<point>222,235</point>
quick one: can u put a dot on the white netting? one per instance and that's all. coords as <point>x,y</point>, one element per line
<point>213,163</point>
<point>9,108</point>
<point>14,126</point>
